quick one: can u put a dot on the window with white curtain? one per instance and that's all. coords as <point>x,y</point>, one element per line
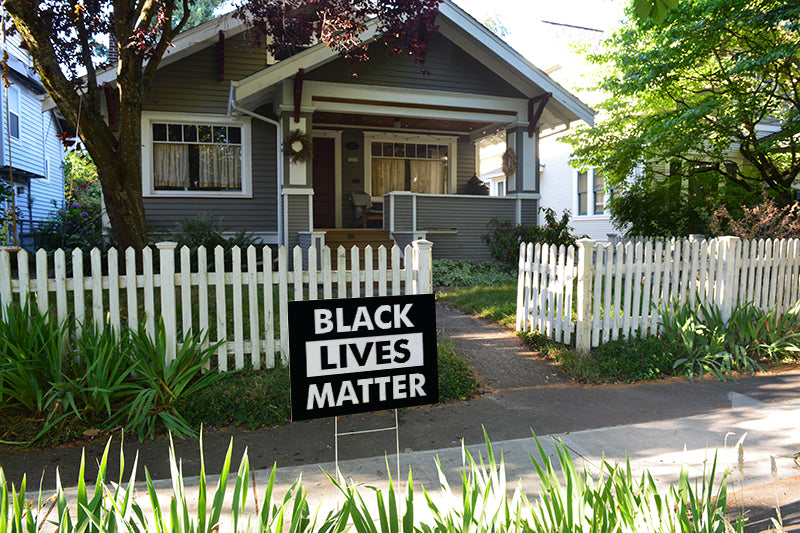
<point>196,156</point>
<point>409,166</point>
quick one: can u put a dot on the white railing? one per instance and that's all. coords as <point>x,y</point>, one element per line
<point>604,292</point>
<point>244,305</point>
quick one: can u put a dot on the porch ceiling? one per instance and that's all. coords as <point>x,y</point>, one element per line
<point>401,123</point>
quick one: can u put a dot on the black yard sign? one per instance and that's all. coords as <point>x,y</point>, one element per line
<point>362,354</point>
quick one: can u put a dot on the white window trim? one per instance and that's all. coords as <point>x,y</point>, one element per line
<point>590,214</point>
<point>375,136</point>
<point>48,166</point>
<point>148,187</point>
<point>12,89</point>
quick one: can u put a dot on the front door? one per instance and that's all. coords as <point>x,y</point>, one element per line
<point>324,183</point>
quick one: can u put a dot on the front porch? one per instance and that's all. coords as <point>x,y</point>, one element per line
<point>454,223</point>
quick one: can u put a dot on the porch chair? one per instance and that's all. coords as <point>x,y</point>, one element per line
<point>363,209</point>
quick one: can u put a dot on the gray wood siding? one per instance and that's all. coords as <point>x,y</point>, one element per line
<point>242,58</point>
<point>298,218</point>
<point>530,212</point>
<point>465,162</point>
<point>467,214</point>
<point>403,213</point>
<point>257,214</point>
<point>451,69</point>
<point>192,85</point>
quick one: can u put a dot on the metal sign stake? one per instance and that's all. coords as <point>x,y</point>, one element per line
<point>337,434</point>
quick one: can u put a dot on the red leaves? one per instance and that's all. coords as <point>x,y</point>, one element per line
<point>405,25</point>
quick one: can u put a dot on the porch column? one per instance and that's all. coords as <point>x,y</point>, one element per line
<point>526,177</point>
<point>297,190</point>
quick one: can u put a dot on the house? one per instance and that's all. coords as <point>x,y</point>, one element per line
<point>223,114</point>
<point>31,156</point>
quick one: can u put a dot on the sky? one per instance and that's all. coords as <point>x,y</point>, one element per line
<point>520,16</point>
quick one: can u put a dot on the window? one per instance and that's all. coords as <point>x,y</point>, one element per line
<point>415,163</point>
<point>501,188</point>
<point>185,157</point>
<point>599,193</point>
<point>583,193</point>
<point>398,166</point>
<point>13,112</point>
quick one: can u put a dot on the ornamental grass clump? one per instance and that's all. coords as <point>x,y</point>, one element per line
<point>744,342</point>
<point>612,499</point>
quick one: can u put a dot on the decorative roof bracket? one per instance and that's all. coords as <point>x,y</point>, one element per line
<point>535,112</point>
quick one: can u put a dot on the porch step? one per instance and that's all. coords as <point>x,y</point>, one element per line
<point>349,237</point>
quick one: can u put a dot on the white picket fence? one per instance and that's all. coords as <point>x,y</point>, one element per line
<point>601,292</point>
<point>238,305</point>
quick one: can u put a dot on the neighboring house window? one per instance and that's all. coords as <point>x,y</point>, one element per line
<point>501,188</point>
<point>599,193</point>
<point>583,193</point>
<point>13,112</point>
<point>183,156</point>
<point>415,163</point>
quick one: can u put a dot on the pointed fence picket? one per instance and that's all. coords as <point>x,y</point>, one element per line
<point>236,298</point>
<point>596,292</point>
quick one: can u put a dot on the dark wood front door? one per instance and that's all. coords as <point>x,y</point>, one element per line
<point>324,183</point>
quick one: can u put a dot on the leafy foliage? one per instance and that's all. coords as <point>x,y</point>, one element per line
<point>102,378</point>
<point>505,237</point>
<point>457,273</point>
<point>656,208</point>
<point>456,380</point>
<point>249,398</point>
<point>636,358</point>
<point>207,231</point>
<point>690,98</point>
<point>764,221</point>
<point>70,227</point>
<point>719,347</point>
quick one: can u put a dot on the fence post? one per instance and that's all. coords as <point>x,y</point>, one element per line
<point>583,326</point>
<point>5,282</point>
<point>423,264</point>
<point>730,281</point>
<point>166,255</point>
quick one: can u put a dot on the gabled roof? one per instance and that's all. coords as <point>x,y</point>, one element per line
<point>466,32</point>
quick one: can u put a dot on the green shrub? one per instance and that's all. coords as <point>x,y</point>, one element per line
<point>504,238</point>
<point>740,344</point>
<point>636,358</point>
<point>207,231</point>
<point>71,226</point>
<point>458,273</point>
<point>249,398</point>
<point>162,384</point>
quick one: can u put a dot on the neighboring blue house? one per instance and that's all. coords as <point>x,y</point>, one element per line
<point>31,150</point>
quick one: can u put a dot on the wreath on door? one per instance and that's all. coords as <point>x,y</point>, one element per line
<point>298,146</point>
<point>509,162</point>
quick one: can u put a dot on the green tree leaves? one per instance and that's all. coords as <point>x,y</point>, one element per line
<point>713,90</point>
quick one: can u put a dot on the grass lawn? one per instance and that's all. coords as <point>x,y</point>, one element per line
<point>497,303</point>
